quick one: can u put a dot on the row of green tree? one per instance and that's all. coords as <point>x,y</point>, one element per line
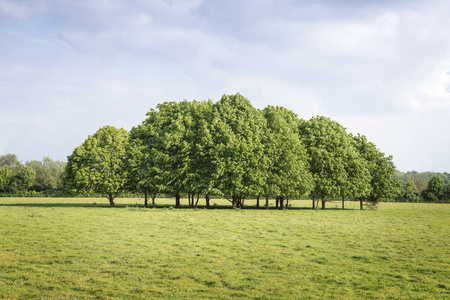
<point>233,150</point>
<point>226,149</point>
<point>35,177</point>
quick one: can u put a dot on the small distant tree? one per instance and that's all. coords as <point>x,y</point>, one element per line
<point>25,178</point>
<point>421,184</point>
<point>435,190</point>
<point>6,177</point>
<point>447,193</point>
<point>98,165</point>
<point>10,160</point>
<point>410,192</point>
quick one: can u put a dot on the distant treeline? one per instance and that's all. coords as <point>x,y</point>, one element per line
<point>424,186</point>
<point>43,178</point>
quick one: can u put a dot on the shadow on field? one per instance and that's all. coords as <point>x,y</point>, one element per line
<point>161,206</point>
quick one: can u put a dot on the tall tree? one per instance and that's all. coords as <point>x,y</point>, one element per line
<point>238,152</point>
<point>285,157</point>
<point>334,162</point>
<point>98,165</point>
<point>381,169</point>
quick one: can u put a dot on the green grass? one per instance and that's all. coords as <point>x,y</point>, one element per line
<point>72,249</point>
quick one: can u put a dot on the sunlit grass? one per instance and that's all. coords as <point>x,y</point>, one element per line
<point>86,250</point>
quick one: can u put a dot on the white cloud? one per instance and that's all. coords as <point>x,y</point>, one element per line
<point>13,9</point>
<point>379,68</point>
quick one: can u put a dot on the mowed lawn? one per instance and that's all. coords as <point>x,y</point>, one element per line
<point>73,249</point>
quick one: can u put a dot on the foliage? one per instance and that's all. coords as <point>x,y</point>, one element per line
<point>98,165</point>
<point>381,169</point>
<point>287,167</point>
<point>238,130</point>
<point>435,191</point>
<point>410,192</point>
<point>413,175</point>
<point>6,177</point>
<point>10,160</point>
<point>25,178</point>
<point>230,149</point>
<point>48,174</point>
<point>337,168</point>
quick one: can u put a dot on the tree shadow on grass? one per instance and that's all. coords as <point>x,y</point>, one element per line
<point>160,206</point>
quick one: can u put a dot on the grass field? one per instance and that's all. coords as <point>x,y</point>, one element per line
<point>62,248</point>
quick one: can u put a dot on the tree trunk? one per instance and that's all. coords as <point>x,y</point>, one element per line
<point>145,199</point>
<point>281,200</point>
<point>207,201</point>
<point>153,201</point>
<point>267,201</point>
<point>177,201</point>
<point>314,202</point>
<point>111,200</point>
<point>234,202</point>
<point>323,202</point>
<point>242,203</point>
<point>198,198</point>
<point>257,201</point>
<point>361,203</point>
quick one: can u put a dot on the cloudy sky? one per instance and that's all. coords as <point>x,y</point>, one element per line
<point>380,68</point>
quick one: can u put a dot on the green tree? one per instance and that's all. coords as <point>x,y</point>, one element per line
<point>381,169</point>
<point>10,160</point>
<point>98,165</point>
<point>25,178</point>
<point>435,190</point>
<point>336,166</point>
<point>44,179</point>
<point>285,156</point>
<point>421,184</point>
<point>48,173</point>
<point>238,152</point>
<point>6,177</point>
<point>447,193</point>
<point>410,192</point>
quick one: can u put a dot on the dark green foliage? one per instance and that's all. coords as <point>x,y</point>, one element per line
<point>25,178</point>
<point>435,191</point>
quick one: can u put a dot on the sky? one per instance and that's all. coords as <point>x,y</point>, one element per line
<point>379,68</point>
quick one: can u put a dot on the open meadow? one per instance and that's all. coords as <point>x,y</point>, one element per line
<point>73,248</point>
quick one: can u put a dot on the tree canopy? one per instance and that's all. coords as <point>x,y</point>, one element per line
<point>228,149</point>
<point>98,165</point>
